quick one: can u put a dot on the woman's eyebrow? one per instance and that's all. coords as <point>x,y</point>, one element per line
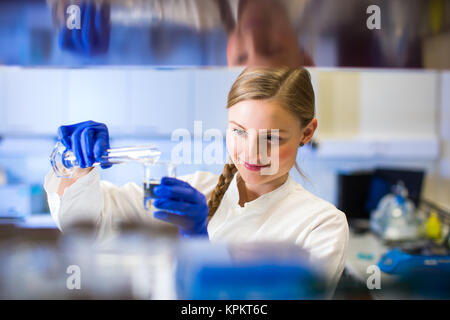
<point>238,124</point>
<point>279,130</point>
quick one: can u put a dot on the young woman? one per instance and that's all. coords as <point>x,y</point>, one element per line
<point>244,203</point>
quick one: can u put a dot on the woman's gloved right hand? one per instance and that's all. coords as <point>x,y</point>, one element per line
<point>88,140</point>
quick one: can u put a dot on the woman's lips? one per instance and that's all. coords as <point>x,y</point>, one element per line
<point>253,167</point>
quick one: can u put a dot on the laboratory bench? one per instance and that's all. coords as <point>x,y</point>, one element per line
<point>365,254</point>
<point>365,250</point>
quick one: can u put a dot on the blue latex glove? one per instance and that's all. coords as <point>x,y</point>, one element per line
<point>93,36</point>
<point>183,206</point>
<point>88,140</point>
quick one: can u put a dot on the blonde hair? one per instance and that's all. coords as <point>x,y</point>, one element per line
<point>291,88</point>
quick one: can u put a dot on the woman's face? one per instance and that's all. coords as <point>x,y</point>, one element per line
<point>253,129</point>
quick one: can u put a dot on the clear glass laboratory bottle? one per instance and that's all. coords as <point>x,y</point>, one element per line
<point>153,172</point>
<point>64,162</point>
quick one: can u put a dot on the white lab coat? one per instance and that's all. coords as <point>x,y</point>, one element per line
<point>288,213</point>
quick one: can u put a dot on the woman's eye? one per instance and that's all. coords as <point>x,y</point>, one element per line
<point>272,139</point>
<point>239,131</point>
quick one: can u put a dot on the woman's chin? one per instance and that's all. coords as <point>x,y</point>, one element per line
<point>254,177</point>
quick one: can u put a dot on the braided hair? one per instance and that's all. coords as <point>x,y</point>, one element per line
<point>224,181</point>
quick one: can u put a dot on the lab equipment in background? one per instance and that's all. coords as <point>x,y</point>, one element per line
<point>384,179</point>
<point>16,201</point>
<point>447,240</point>
<point>399,261</point>
<point>353,191</point>
<point>435,223</point>
<point>395,217</point>
<point>433,226</point>
<point>422,274</point>
<point>360,192</point>
<point>64,162</point>
<point>245,271</point>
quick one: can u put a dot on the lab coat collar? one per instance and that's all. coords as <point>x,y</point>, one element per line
<point>264,201</point>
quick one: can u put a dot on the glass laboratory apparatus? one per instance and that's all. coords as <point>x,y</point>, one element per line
<point>395,217</point>
<point>153,172</point>
<point>64,164</point>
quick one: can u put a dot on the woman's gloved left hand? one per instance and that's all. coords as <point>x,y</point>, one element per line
<point>183,206</point>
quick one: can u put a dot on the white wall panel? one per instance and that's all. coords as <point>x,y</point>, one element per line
<point>33,100</point>
<point>101,95</point>
<point>401,103</point>
<point>160,100</point>
<point>211,92</point>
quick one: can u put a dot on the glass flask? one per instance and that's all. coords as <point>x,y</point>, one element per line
<point>64,162</point>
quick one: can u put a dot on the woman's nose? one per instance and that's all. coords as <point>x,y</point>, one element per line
<point>252,155</point>
<point>256,150</point>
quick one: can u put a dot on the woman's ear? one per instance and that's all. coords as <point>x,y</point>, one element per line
<point>308,131</point>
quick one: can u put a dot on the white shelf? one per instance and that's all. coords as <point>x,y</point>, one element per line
<point>397,148</point>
